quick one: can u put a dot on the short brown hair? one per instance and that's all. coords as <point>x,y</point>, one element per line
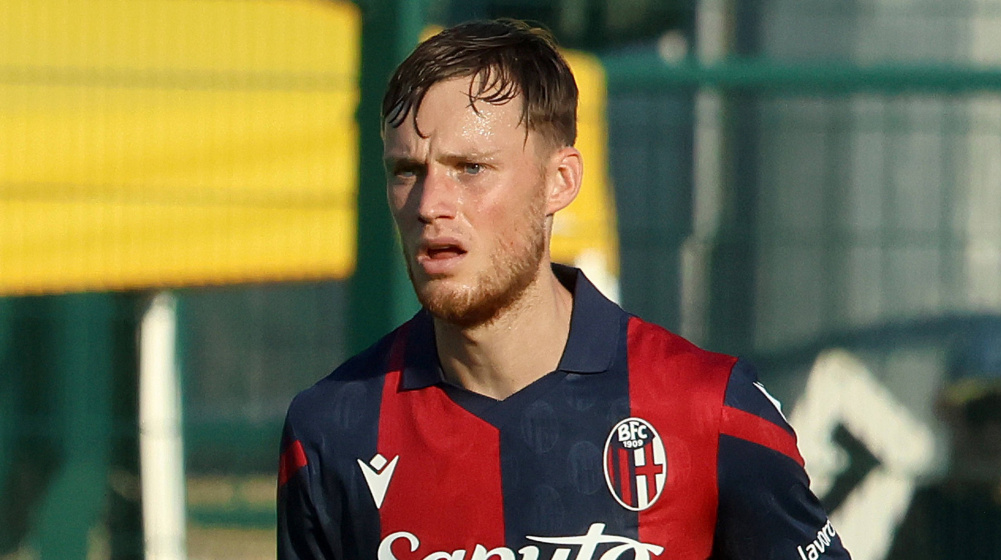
<point>510,57</point>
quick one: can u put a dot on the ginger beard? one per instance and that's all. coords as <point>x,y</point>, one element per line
<point>514,267</point>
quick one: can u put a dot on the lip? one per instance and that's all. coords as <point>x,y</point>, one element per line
<point>440,255</point>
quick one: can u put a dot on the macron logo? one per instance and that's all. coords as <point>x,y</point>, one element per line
<point>377,476</point>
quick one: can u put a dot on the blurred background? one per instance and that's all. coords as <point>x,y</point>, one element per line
<point>192,230</point>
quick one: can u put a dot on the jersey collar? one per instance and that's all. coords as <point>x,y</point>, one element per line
<point>596,325</point>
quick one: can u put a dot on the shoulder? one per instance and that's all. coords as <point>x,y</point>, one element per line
<point>747,394</point>
<point>339,397</point>
<point>676,385</point>
<point>672,369</point>
<point>654,351</point>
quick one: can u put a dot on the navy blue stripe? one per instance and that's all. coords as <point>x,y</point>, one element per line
<point>743,395</point>
<point>766,509</point>
<point>553,468</point>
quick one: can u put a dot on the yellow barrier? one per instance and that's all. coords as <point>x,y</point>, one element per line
<point>154,143</point>
<point>172,142</point>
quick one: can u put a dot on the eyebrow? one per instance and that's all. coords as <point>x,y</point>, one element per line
<point>393,160</point>
<point>470,156</point>
<point>401,159</point>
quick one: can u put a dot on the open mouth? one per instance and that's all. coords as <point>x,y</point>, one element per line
<point>444,252</point>
<point>440,256</point>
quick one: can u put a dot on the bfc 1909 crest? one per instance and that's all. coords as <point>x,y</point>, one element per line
<point>635,464</point>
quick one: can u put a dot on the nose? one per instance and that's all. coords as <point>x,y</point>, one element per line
<point>437,196</point>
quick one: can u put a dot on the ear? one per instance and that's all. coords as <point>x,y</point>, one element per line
<point>564,174</point>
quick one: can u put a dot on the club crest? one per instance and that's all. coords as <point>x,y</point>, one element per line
<point>635,465</point>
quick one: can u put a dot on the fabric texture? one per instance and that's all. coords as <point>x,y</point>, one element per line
<point>639,445</point>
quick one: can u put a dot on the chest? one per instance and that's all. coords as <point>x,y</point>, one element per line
<point>570,467</point>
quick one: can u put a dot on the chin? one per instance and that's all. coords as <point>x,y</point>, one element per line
<point>460,304</point>
<point>469,306</point>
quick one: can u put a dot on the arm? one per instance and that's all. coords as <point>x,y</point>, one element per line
<point>300,535</point>
<point>766,508</point>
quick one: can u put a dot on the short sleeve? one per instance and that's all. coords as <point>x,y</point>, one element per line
<point>766,508</point>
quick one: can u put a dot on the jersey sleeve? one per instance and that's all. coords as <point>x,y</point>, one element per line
<point>766,508</point>
<point>301,536</point>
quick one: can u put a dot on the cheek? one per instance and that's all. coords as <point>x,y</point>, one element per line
<point>398,200</point>
<point>511,223</point>
<point>398,211</point>
<point>496,215</point>
<point>396,197</point>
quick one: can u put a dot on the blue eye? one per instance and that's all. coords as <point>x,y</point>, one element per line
<point>472,168</point>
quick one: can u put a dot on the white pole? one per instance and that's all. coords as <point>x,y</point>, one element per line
<point>160,439</point>
<point>714,29</point>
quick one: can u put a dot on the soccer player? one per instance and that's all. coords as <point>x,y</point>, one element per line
<point>520,414</point>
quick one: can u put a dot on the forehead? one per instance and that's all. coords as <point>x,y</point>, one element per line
<point>448,115</point>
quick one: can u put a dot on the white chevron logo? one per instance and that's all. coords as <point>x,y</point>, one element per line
<point>377,476</point>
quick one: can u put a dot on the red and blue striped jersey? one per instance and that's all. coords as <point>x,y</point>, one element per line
<point>638,446</point>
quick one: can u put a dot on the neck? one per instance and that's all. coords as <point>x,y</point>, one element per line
<point>522,344</point>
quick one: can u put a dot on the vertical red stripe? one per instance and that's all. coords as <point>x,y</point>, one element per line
<point>625,478</point>
<point>679,389</point>
<point>447,485</point>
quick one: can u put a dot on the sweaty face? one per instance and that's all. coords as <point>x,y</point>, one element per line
<point>467,192</point>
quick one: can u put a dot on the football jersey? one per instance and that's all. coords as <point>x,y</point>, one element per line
<point>638,446</point>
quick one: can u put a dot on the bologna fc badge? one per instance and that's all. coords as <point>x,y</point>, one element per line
<point>635,465</point>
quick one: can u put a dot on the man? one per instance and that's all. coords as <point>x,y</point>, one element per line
<point>521,414</point>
